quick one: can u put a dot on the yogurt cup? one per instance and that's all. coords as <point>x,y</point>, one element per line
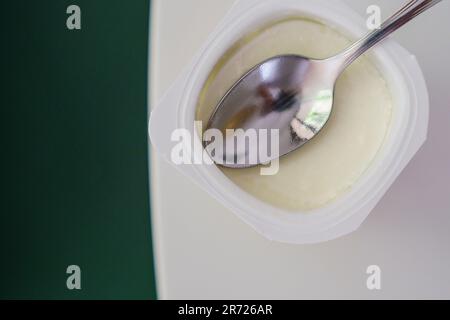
<point>406,135</point>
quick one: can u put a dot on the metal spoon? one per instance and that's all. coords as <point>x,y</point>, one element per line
<point>293,94</point>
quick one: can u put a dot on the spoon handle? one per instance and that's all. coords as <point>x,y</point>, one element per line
<point>408,12</point>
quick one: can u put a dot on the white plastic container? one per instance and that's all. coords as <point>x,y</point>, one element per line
<point>406,135</point>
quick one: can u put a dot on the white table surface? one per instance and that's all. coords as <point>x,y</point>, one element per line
<point>203,251</point>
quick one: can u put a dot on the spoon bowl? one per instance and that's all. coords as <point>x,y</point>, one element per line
<point>289,93</point>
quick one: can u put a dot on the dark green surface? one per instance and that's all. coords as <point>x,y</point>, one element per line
<point>74,150</point>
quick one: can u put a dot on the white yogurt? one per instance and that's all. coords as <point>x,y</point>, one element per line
<point>330,164</point>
